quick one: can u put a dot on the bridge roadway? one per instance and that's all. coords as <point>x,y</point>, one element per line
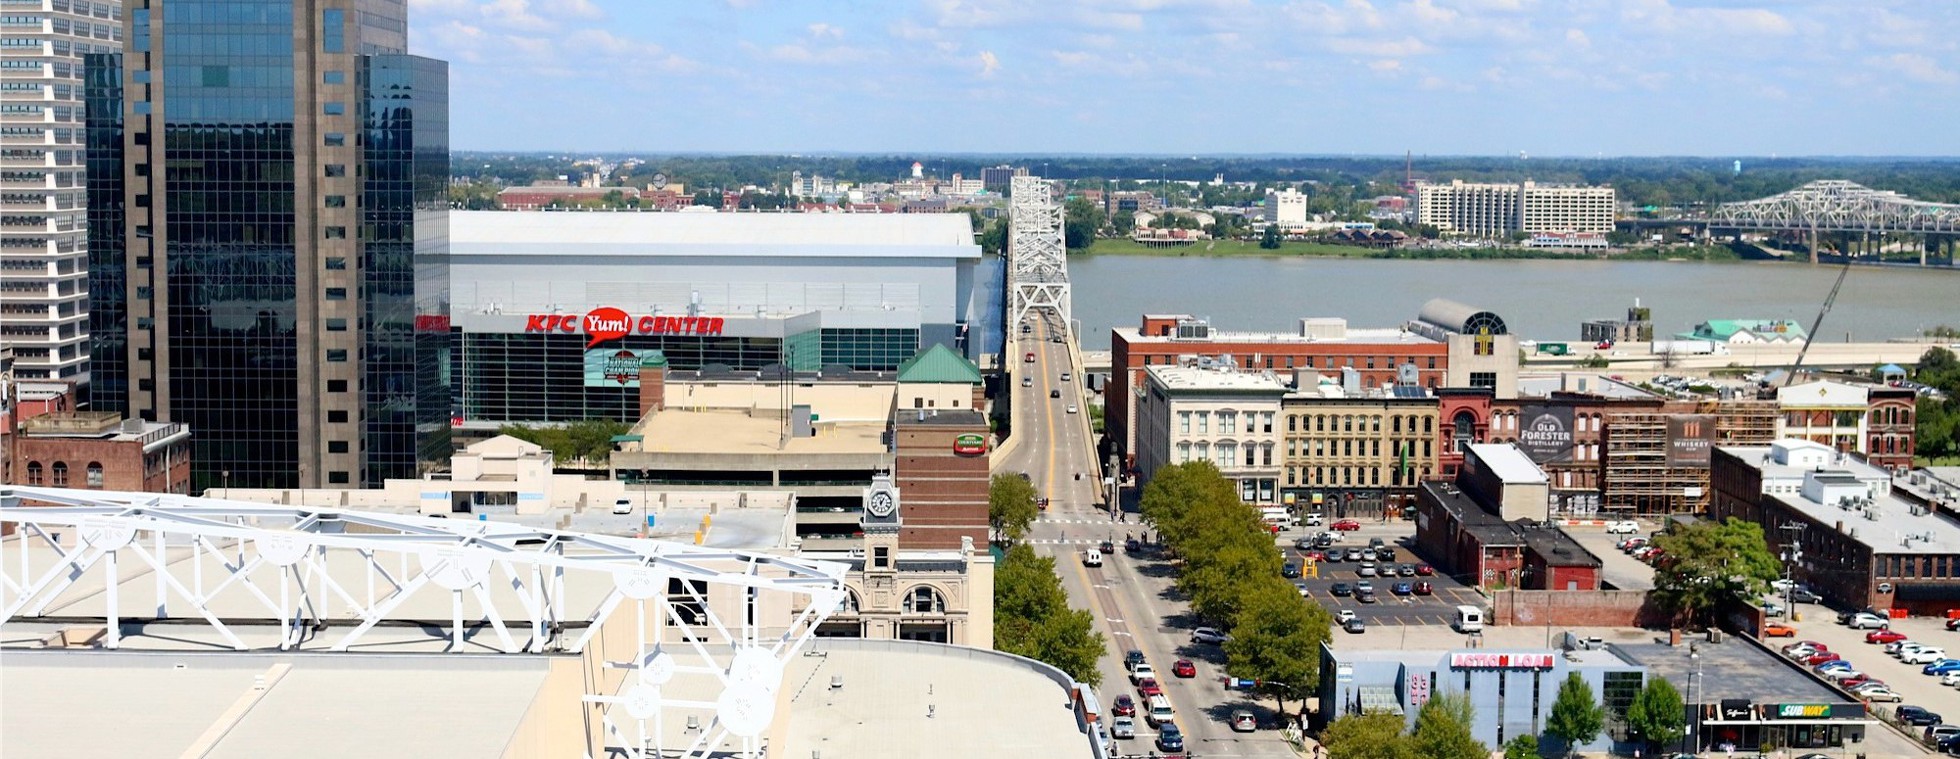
<point>1130,597</point>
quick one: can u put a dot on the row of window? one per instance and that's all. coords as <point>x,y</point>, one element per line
<point>1317,448</point>
<point>1305,362</point>
<point>1226,454</point>
<point>1228,421</point>
<point>59,474</point>
<point>1356,423</point>
<point>1917,567</point>
<point>1508,420</point>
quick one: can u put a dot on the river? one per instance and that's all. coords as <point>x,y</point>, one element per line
<point>1538,299</point>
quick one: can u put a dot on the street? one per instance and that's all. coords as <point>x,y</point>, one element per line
<point>1130,596</point>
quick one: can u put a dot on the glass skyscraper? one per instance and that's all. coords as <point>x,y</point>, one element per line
<point>271,237</point>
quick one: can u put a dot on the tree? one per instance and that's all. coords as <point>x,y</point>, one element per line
<point>1032,617</point>
<point>1706,564</point>
<point>1657,714</point>
<point>1081,221</point>
<point>993,237</point>
<point>1443,729</point>
<point>1276,638</point>
<point>1576,716</point>
<point>1522,747</point>
<point>1368,736</point>
<point>1010,505</point>
<point>589,439</point>
<point>1270,239</point>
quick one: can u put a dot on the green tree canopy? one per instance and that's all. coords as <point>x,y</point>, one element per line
<point>1368,736</point>
<point>589,439</point>
<point>1032,617</point>
<point>1576,715</point>
<point>1269,240</point>
<point>1277,637</point>
<point>1708,563</point>
<point>1522,747</point>
<point>1010,505</point>
<point>1657,715</point>
<point>1443,729</point>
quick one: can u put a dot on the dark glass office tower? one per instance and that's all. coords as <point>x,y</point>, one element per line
<point>283,238</point>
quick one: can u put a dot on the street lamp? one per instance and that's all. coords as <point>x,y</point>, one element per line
<point>1694,707</point>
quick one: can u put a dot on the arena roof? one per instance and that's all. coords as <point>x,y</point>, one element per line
<point>945,235</point>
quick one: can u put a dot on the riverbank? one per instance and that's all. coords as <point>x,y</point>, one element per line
<point>1293,249</point>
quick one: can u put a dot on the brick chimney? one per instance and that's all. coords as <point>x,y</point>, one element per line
<point>653,383</point>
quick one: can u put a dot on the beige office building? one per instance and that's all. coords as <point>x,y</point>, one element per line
<point>1497,210</point>
<point>1212,413</point>
<point>1357,454</point>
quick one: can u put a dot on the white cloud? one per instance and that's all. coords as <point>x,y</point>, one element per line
<point>821,30</point>
<point>1916,67</point>
<point>988,63</point>
<point>1577,38</point>
<point>1383,48</point>
<point>1385,65</point>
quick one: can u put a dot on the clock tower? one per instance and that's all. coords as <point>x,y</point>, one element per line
<point>880,522</point>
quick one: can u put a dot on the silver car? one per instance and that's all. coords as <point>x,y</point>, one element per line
<point>1123,728</point>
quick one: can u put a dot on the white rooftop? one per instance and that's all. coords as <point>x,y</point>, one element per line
<point>1365,335</point>
<point>1510,464</point>
<point>1797,472</point>
<point>1176,378</point>
<point>726,234</point>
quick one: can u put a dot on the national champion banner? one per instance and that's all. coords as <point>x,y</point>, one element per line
<point>612,367</point>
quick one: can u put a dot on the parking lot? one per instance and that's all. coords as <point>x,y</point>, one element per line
<point>1438,608</point>
<point>1820,624</point>
<point>1619,570</point>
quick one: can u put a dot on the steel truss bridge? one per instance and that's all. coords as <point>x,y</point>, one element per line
<point>275,560</point>
<point>1835,205</point>
<point>1037,259</point>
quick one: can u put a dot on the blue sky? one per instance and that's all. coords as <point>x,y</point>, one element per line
<point>1550,77</point>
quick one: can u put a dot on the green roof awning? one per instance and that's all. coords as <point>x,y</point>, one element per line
<point>938,364</point>
<point>628,438</point>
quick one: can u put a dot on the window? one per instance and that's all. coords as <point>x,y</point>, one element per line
<point>337,355</point>
<point>336,169</point>
<point>94,474</point>
<point>333,30</point>
<point>336,417</point>
<point>336,233</point>
<point>924,600</point>
<point>334,139</point>
<point>333,77</point>
<point>336,446</point>
<point>333,108</point>
<point>881,557</point>
<point>34,473</point>
<point>336,324</point>
<point>336,263</point>
<point>60,471</point>
<point>337,478</point>
<point>336,201</point>
<point>1184,422</point>
<point>1204,422</point>
<point>336,293</point>
<point>336,386</point>
<point>1483,379</point>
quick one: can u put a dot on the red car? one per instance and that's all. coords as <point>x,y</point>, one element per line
<point>1424,570</point>
<point>1423,589</point>
<point>1345,525</point>
<point>1820,657</point>
<point>1884,636</point>
<point>1314,555</point>
<point>1149,687</point>
<point>1124,707</point>
<point>1858,679</point>
<point>1184,668</point>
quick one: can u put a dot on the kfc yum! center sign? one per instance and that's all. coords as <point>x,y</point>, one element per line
<point>602,324</point>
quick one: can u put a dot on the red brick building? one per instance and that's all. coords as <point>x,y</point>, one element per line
<point>102,451</point>
<point>536,197</point>
<point>1488,527</point>
<point>1891,420</point>
<point>1463,419</point>
<point>942,474</point>
<point>1324,345</point>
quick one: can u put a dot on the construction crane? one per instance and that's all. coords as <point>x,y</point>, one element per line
<point>1818,322</point>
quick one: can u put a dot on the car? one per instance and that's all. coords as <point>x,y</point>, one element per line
<point>1839,674</point>
<point>1628,545</point>
<point>1865,620</point>
<point>1377,543</point>
<point>1313,555</point>
<point>1325,540</point>
<point>1364,587</point>
<point>1367,569</point>
<point>1402,588</point>
<point>1313,519</point>
<point>1141,672</point>
<point>1857,680</point>
<point>1344,525</point>
<point>1833,664</point>
<point>1627,527</point>
<point>1334,556</point>
<point>1184,668</point>
<point>1953,624</point>
<point>1941,667</point>
<point>1132,658</point>
<point>1424,588</point>
<point>1243,721</point>
<point>1123,706</point>
<point>1148,687</point>
<point>1074,409</point>
<point>1805,596</point>
<point>1904,647</point>
<point>1028,359</point>
<point>1814,646</point>
<point>1779,630</point>
<point>1092,558</point>
<point>1938,734</point>
<point>1054,393</point>
<point>1290,570</point>
<point>1782,584</point>
<point>1926,655</point>
<point>1884,636</point>
<point>622,506</point>
<point>1065,376</point>
<point>1108,546</point>
<point>1304,544</point>
<point>1772,609</point>
<point>1354,554</point>
<point>1820,657</point>
<point>1123,728</point>
<point>1355,626</point>
<point>1365,596</point>
<point>1341,617</point>
<point>1424,570</point>
<point>1880,693</point>
<point>1863,685</point>
<point>1169,738</point>
<point>1301,585</point>
<point>1950,678</point>
<point>1916,716</point>
<point>1209,635</point>
<point>1341,589</point>
<point>1406,570</point>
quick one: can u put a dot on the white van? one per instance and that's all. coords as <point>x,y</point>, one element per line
<point>1160,711</point>
<point>1469,619</point>
<point>1092,558</point>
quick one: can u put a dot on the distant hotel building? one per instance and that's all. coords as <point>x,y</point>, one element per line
<point>1497,210</point>
<point>1286,208</point>
<point>268,239</point>
<point>996,178</point>
<point>43,220</point>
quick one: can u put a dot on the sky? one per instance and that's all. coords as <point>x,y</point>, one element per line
<point>1436,77</point>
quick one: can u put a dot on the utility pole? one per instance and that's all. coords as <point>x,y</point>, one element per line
<point>1792,555</point>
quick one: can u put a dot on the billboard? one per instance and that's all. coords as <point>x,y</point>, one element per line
<point>1545,433</point>
<point>1690,438</point>
<point>612,367</point>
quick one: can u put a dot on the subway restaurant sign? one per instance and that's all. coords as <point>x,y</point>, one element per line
<point>970,445</point>
<point>1817,711</point>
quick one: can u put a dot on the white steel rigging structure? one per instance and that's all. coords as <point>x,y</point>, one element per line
<point>1037,261</point>
<point>274,560</point>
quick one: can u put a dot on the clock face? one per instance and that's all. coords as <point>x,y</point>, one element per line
<point>881,504</point>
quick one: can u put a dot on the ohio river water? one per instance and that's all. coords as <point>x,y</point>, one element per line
<point>1543,300</point>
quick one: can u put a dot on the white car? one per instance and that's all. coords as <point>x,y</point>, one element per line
<point>1903,647</point>
<point>1880,694</point>
<point>1801,651</point>
<point>1865,620</point>
<point>1208,635</point>
<point>1782,584</point>
<point>1950,678</point>
<point>1143,670</point>
<point>1627,527</point>
<point>1341,617</point>
<point>1922,655</point>
<point>623,506</point>
<point>1314,519</point>
<point>1840,673</point>
<point>1073,409</point>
